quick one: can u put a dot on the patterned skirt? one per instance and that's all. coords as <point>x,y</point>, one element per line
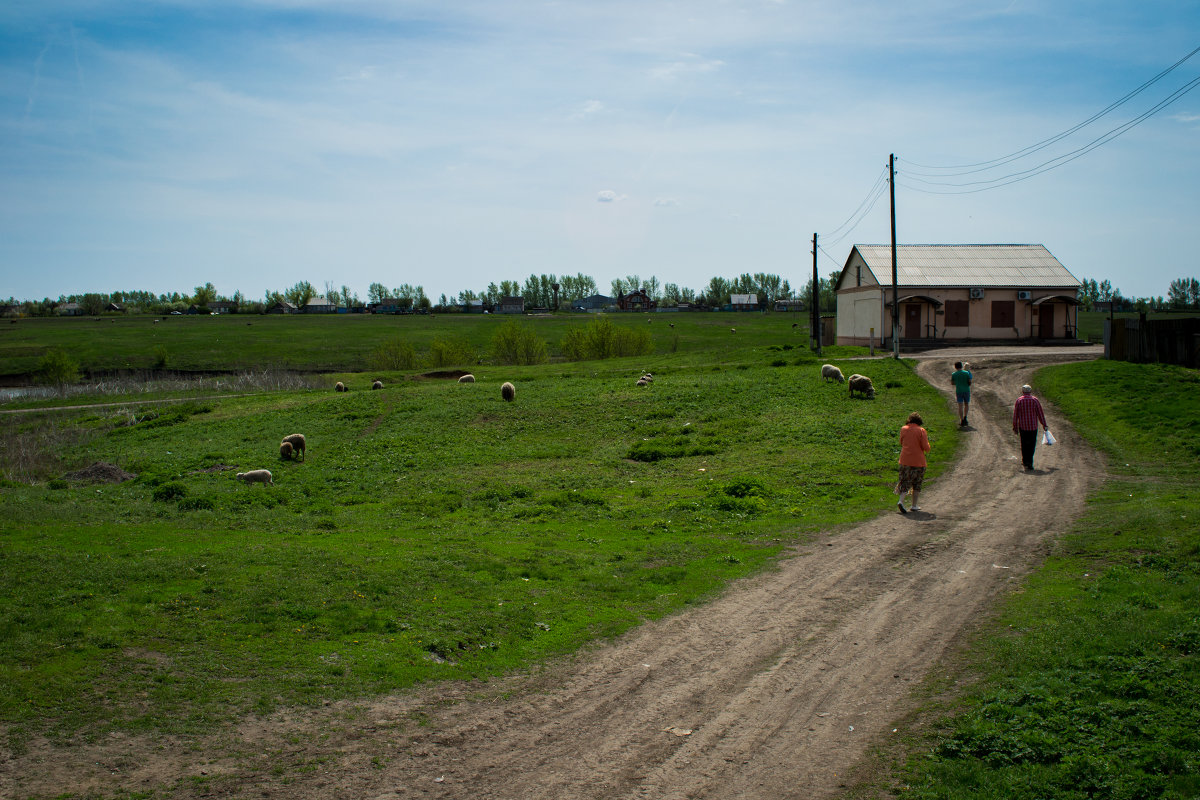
<point>910,478</point>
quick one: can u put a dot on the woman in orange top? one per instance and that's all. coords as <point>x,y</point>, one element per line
<point>914,444</point>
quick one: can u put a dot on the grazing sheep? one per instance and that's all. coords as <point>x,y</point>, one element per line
<point>830,371</point>
<point>795,325</point>
<point>286,450</point>
<point>863,385</point>
<point>733,330</point>
<point>672,324</point>
<point>648,378</point>
<point>296,440</point>
<point>339,387</point>
<point>377,385</point>
<point>508,391</point>
<point>468,378</point>
<point>643,382</point>
<point>262,476</point>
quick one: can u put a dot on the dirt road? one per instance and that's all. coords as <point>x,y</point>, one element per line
<point>775,690</point>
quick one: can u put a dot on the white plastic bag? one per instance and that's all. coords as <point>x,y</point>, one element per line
<point>1048,438</point>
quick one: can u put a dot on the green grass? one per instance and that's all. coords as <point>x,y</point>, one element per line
<point>1090,681</point>
<point>433,531</point>
<point>338,342</point>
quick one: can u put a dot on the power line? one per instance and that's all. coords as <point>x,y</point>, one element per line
<point>1058,161</point>
<point>864,208</point>
<point>1033,148</point>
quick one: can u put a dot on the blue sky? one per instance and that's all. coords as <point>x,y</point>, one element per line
<point>162,145</point>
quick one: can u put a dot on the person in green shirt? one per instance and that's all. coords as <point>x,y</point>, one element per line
<point>961,378</point>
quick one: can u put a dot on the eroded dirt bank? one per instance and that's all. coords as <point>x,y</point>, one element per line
<point>775,690</point>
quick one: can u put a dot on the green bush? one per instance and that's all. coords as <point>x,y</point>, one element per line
<point>161,357</point>
<point>450,352</point>
<point>58,368</point>
<point>514,343</point>
<point>395,354</point>
<point>196,504</point>
<point>170,491</point>
<point>600,338</point>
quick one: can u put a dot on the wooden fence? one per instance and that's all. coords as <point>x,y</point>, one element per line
<point>1165,341</point>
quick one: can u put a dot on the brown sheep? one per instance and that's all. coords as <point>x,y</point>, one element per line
<point>508,391</point>
<point>296,440</point>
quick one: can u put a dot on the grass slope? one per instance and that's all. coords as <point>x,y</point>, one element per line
<point>1091,677</point>
<point>434,531</point>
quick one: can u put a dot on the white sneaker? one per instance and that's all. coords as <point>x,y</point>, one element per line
<point>915,508</point>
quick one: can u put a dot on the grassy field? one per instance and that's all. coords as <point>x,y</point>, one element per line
<point>1090,679</point>
<point>337,343</point>
<point>433,531</point>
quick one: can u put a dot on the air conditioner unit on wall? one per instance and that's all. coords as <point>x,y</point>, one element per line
<point>1024,295</point>
<point>976,294</point>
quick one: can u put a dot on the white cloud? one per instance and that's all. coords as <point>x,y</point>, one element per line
<point>609,196</point>
<point>665,202</point>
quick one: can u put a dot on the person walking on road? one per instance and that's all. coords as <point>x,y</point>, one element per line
<point>961,378</point>
<point>914,444</point>
<point>1027,413</point>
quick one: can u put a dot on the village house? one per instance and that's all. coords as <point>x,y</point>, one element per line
<point>222,306</point>
<point>511,305</point>
<point>320,305</point>
<point>946,292</point>
<point>282,307</point>
<point>637,300</point>
<point>595,302</point>
<point>69,310</point>
<point>744,302</point>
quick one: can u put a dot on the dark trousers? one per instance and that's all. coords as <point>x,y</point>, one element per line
<point>1028,444</point>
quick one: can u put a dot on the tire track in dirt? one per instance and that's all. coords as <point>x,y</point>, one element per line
<point>774,690</point>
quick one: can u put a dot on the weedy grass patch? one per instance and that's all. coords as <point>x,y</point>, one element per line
<point>1091,678</point>
<point>432,531</point>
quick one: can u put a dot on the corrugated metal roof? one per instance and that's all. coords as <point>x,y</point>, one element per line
<point>995,265</point>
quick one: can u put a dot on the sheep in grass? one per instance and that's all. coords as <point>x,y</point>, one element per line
<point>508,391</point>
<point>861,384</point>
<point>296,440</point>
<point>262,476</point>
<point>733,330</point>
<point>468,378</point>
<point>339,387</point>
<point>643,382</point>
<point>286,450</point>
<point>830,372</point>
<point>377,385</point>
<point>648,378</point>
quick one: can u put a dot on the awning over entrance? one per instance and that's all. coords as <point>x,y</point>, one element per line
<point>933,301</point>
<point>1061,298</point>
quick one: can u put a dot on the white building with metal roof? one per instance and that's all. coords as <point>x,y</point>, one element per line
<point>955,292</point>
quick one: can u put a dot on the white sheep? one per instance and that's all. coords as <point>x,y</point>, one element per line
<point>648,378</point>
<point>863,385</point>
<point>262,476</point>
<point>733,330</point>
<point>508,391</point>
<point>468,378</point>
<point>643,382</point>
<point>286,450</point>
<point>830,371</point>
<point>339,387</point>
<point>377,385</point>
<point>296,440</point>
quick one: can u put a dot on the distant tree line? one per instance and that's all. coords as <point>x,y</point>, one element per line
<point>1183,294</point>
<point>538,291</point>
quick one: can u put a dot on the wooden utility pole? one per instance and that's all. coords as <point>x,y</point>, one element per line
<point>895,287</point>
<point>816,301</point>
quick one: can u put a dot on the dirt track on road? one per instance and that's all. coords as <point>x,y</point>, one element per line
<point>774,690</point>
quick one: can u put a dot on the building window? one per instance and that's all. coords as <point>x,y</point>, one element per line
<point>858,275</point>
<point>1003,313</point>
<point>957,315</point>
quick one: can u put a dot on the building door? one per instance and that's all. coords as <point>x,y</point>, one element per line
<point>912,321</point>
<point>1046,321</point>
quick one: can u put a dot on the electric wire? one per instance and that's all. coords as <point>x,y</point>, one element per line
<point>1038,146</point>
<point>1058,161</point>
<point>864,208</point>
